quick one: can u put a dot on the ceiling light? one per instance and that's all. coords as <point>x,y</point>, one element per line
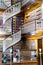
<point>33,33</point>
<point>27,8</point>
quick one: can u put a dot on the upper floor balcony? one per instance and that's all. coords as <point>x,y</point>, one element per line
<point>34,22</point>
<point>32,27</point>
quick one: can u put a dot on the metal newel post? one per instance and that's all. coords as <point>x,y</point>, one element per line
<point>10,56</point>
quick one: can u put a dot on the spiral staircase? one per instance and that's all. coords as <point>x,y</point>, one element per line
<point>12,10</point>
<point>7,18</point>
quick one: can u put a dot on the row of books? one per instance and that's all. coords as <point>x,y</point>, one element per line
<point>34,15</point>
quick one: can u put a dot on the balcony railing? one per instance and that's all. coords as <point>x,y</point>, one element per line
<point>7,26</point>
<point>11,40</point>
<point>24,2</point>
<point>33,26</point>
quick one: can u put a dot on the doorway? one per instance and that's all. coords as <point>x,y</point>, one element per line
<point>40,47</point>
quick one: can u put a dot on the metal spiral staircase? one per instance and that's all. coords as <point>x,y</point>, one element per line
<point>7,18</point>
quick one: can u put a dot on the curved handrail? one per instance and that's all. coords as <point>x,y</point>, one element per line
<point>11,11</point>
<point>24,2</point>
<point>11,40</point>
<point>7,26</point>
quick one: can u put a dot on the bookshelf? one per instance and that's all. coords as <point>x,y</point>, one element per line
<point>32,21</point>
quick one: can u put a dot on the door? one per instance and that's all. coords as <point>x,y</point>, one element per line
<point>39,47</point>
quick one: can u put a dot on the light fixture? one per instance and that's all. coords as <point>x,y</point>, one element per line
<point>28,8</point>
<point>10,50</point>
<point>33,0</point>
<point>40,50</point>
<point>33,33</point>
